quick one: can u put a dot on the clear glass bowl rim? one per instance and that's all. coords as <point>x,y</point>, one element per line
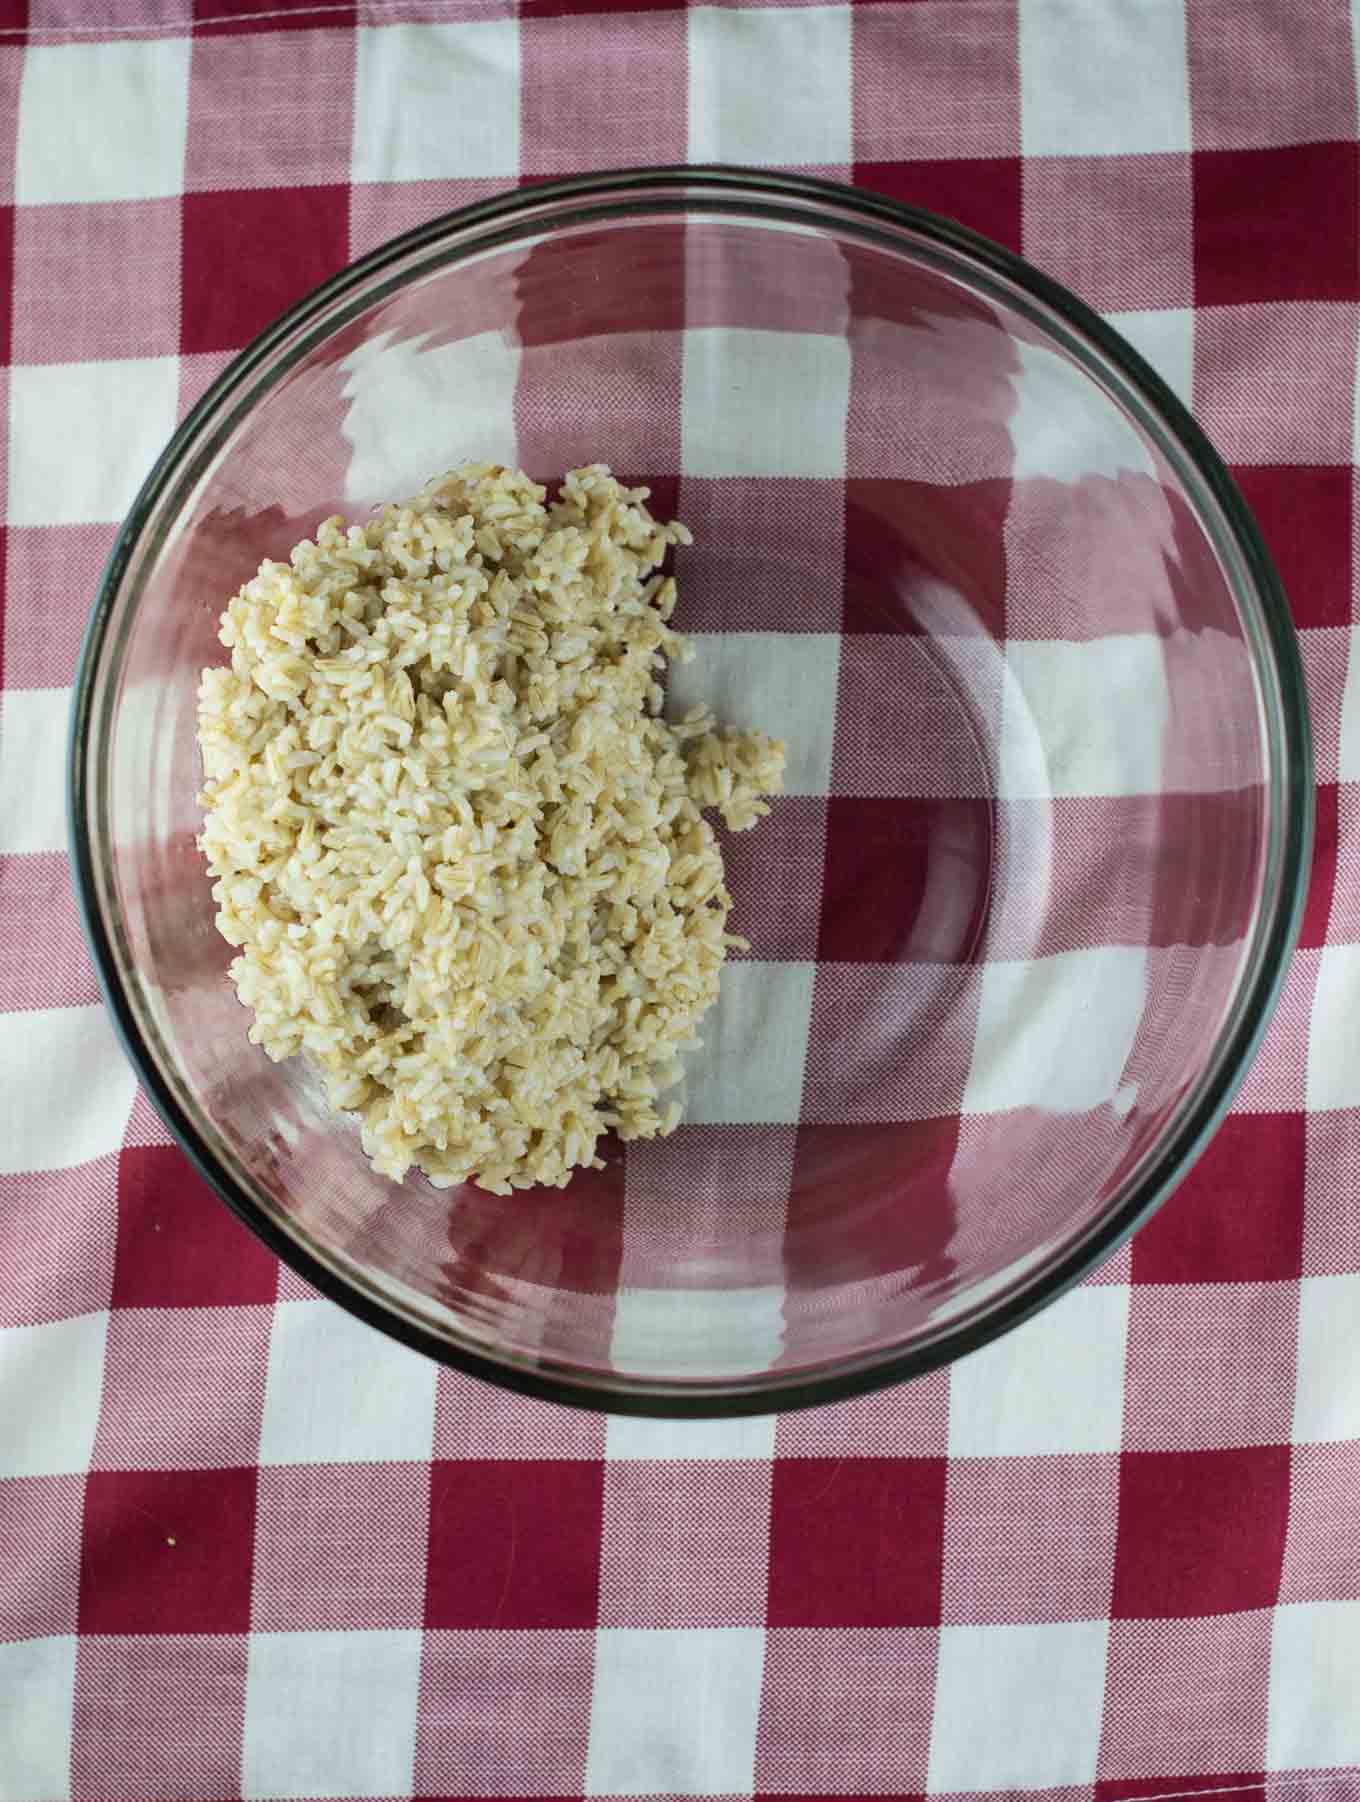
<point>785,199</point>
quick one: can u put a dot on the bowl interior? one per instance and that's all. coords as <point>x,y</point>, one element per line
<point>1004,919</point>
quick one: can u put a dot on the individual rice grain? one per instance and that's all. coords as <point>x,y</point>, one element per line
<point>457,846</point>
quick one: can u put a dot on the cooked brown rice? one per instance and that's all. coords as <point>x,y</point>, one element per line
<point>458,847</point>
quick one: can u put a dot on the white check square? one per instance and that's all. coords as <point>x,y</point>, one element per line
<point>33,724</point>
<point>1018,1707</point>
<point>1166,337</point>
<point>738,57</point>
<point>331,1714</point>
<point>630,1440</point>
<point>749,1069</point>
<point>437,101</point>
<point>58,1053</point>
<point>1005,1401</point>
<point>1349,750</point>
<point>340,1392</point>
<point>83,435</point>
<point>1056,1032</point>
<point>783,683</point>
<point>764,403</point>
<point>1102,78</point>
<point>38,1683</point>
<point>1327,1386</point>
<point>102,121</point>
<point>1084,717</point>
<point>701,1332</point>
<point>674,1711</point>
<point>51,1382</point>
<point>1333,1079</point>
<point>1314,1718</point>
<point>414,411</point>
<point>1063,427</point>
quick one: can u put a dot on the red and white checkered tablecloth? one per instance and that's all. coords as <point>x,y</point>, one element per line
<point>249,1548</point>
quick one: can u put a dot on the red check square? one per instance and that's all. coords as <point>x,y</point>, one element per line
<point>1092,558</point>
<point>481,1517</point>
<point>183,1388</point>
<point>1305,513</point>
<point>568,1240</point>
<point>936,83</point>
<point>1341,802</point>
<point>620,390</point>
<point>269,111</point>
<point>40,1527</point>
<point>1265,81</point>
<point>775,905</point>
<point>43,567</point>
<point>250,253</point>
<point>1275,382</point>
<point>932,385</point>
<point>1029,1539</point>
<point>1317,911</point>
<point>559,136</point>
<point>1321,1557</point>
<point>50,969</point>
<point>473,1419</point>
<point>67,310</point>
<point>869,1024</point>
<point>909,715</point>
<point>381,210</point>
<point>906,881</point>
<point>821,1518</point>
<point>340,1546</point>
<point>758,281</point>
<point>588,9</point>
<point>158,1719</point>
<point>1186,1697</point>
<point>766,555</point>
<point>504,1713</point>
<point>708,1199</point>
<point>685,1544</point>
<point>56,1250</point>
<point>1279,224</point>
<point>1210,1365</point>
<point>868,1202</point>
<point>7,268</point>
<point>1083,213</point>
<point>1238,1216</point>
<point>1122,870</point>
<point>1278,1079</point>
<point>618,282</point>
<point>846,1713</point>
<point>909,1421</point>
<point>178,1245</point>
<point>1149,1789</point>
<point>167,1551</point>
<point>564,1238</point>
<point>909,544</point>
<point>1200,1532</point>
<point>1331,1235</point>
<point>11,74</point>
<point>232,18</point>
<point>982,193</point>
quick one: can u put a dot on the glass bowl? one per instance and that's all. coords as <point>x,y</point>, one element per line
<point>1020,920</point>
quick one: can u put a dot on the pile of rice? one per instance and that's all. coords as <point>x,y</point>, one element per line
<point>458,847</point>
